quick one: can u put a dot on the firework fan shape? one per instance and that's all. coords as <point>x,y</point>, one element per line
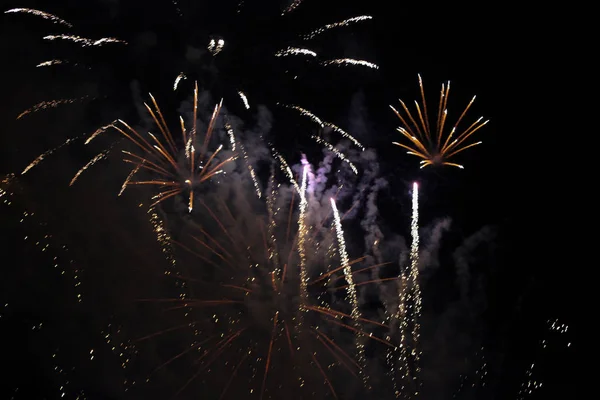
<point>271,300</point>
<point>427,139</point>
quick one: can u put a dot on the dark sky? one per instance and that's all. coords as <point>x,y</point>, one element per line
<point>499,211</point>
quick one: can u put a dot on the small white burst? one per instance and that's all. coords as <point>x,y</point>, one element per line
<point>215,46</point>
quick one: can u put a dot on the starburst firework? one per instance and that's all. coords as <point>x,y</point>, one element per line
<point>435,147</point>
<point>277,310</point>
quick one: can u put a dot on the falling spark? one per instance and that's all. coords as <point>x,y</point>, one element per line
<point>130,177</point>
<point>350,61</point>
<point>45,154</point>
<point>178,79</point>
<point>295,4</point>
<point>251,171</point>
<point>340,24</point>
<point>50,63</point>
<point>44,105</point>
<point>285,168</point>
<point>231,135</point>
<point>435,148</point>
<point>323,124</point>
<point>93,161</point>
<point>85,42</point>
<point>244,99</point>
<point>99,131</point>
<point>41,14</point>
<point>338,153</point>
<point>295,51</point>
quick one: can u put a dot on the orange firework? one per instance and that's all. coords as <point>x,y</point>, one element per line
<point>161,156</point>
<point>435,147</point>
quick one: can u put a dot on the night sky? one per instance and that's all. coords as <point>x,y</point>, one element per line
<point>496,287</point>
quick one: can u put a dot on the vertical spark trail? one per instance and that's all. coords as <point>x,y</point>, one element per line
<point>231,135</point>
<point>251,170</point>
<point>403,361</point>
<point>244,99</point>
<point>271,237</point>
<point>351,296</point>
<point>302,233</point>
<point>414,278</point>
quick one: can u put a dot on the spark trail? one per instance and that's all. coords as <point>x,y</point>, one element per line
<point>42,14</point>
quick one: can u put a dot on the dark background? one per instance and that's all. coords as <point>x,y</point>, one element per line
<point>510,57</point>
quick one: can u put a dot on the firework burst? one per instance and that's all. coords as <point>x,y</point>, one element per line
<point>435,147</point>
<point>161,156</point>
<point>275,311</point>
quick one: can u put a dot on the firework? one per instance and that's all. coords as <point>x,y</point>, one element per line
<point>160,156</point>
<point>279,322</point>
<point>435,147</point>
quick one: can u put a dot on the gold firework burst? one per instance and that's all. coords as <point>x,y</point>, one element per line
<point>435,147</point>
<point>160,156</point>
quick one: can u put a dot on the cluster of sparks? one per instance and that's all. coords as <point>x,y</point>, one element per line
<point>428,140</point>
<point>533,381</point>
<point>61,259</point>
